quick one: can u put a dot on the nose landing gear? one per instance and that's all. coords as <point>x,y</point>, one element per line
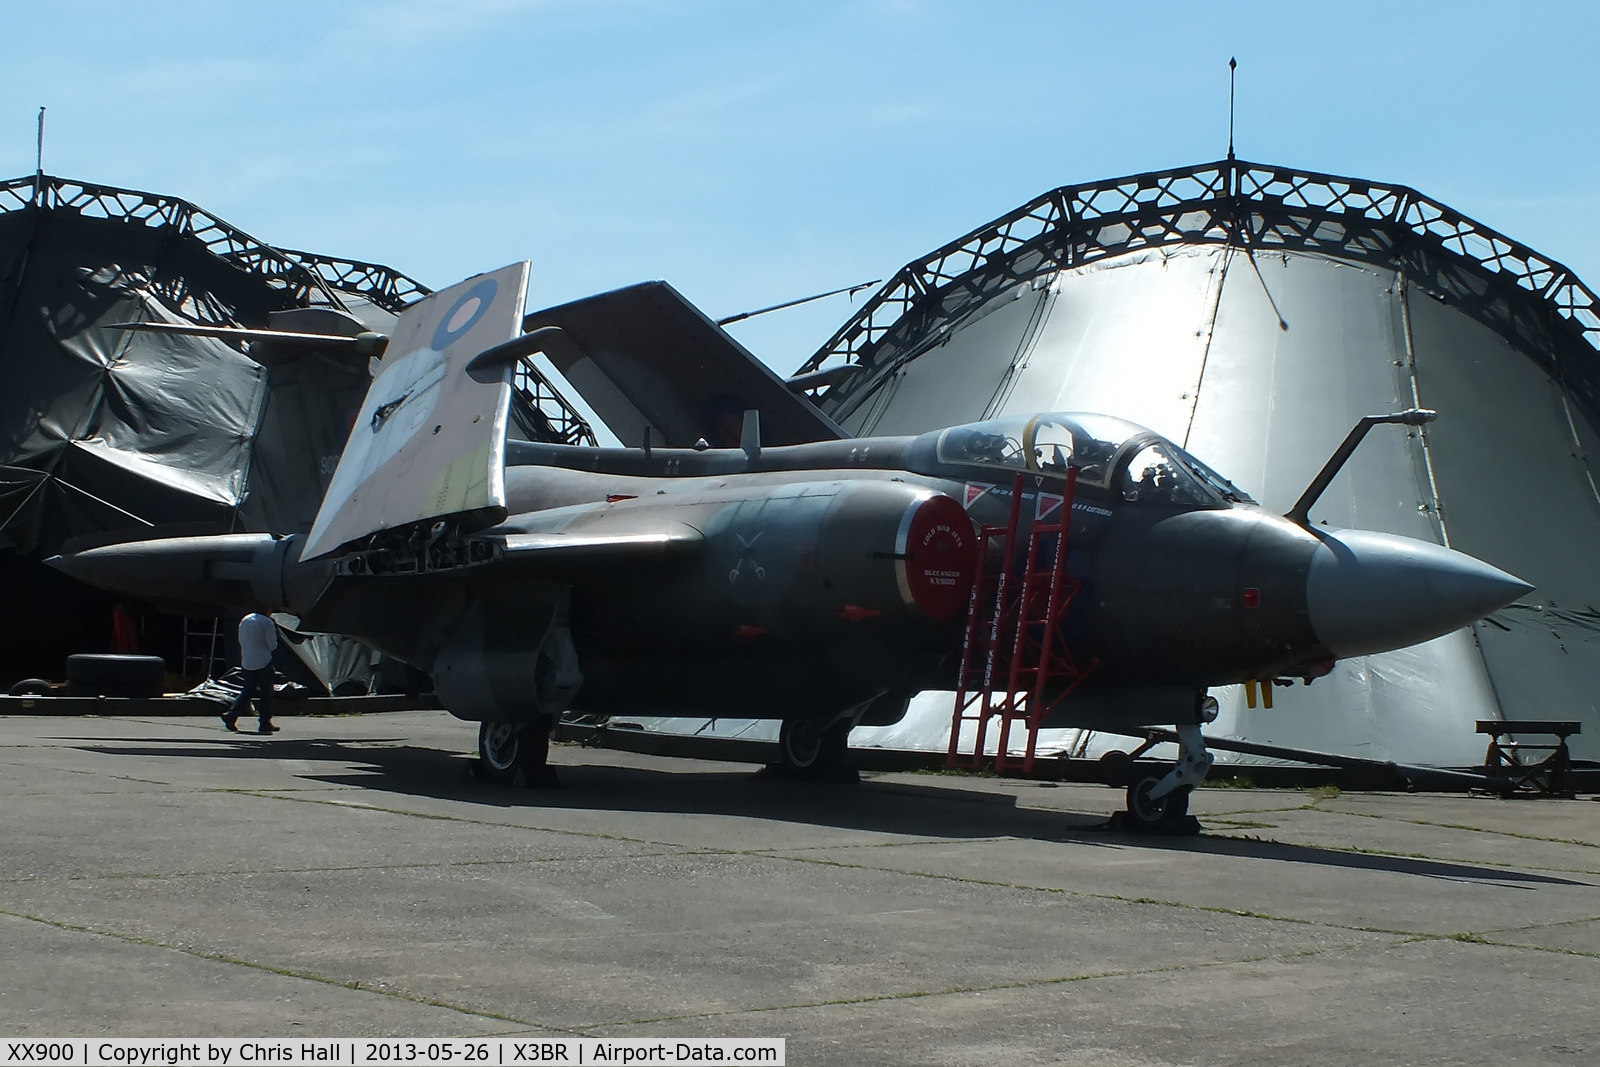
<point>1157,803</point>
<point>1149,813</point>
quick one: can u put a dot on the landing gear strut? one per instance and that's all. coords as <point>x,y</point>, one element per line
<point>515,753</point>
<point>1160,804</point>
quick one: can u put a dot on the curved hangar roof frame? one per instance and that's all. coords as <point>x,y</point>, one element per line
<point>1534,302</point>
<point>306,279</point>
<point>309,279</point>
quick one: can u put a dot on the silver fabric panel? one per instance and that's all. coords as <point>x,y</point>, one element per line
<point>955,381</point>
<point>1126,338</point>
<point>1413,705</point>
<point>1516,492</point>
<point>1275,403</point>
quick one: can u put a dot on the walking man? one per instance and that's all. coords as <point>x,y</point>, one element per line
<point>258,636</point>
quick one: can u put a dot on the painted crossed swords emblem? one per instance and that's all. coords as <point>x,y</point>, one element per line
<point>747,552</point>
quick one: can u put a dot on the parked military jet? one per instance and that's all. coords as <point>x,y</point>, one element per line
<point>820,583</point>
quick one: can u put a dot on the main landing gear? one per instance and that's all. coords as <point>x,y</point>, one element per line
<point>1159,803</point>
<point>516,753</point>
<point>816,750</point>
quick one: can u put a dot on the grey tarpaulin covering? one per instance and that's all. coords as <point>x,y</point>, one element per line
<point>345,667</point>
<point>110,428</point>
<point>105,430</point>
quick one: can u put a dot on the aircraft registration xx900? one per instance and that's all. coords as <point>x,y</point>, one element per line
<point>820,583</point>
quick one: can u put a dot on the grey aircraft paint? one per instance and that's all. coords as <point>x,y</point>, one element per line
<point>772,586</point>
<point>821,584</point>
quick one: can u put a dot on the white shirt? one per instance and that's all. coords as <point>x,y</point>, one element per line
<point>258,636</point>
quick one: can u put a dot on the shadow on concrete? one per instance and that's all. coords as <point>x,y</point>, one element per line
<point>1359,861</point>
<point>390,765</point>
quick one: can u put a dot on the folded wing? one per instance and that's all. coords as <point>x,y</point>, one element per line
<point>429,442</point>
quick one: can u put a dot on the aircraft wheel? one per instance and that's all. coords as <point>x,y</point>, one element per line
<point>810,750</point>
<point>1147,815</point>
<point>1116,768</point>
<point>501,750</point>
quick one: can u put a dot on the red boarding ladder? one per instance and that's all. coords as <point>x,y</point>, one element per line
<point>1010,652</point>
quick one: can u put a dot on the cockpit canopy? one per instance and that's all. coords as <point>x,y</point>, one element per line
<point>1127,461</point>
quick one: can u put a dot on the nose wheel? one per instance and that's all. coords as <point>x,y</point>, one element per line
<point>1153,814</point>
<point>1159,804</point>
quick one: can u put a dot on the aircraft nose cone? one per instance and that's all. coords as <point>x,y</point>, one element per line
<point>1370,592</point>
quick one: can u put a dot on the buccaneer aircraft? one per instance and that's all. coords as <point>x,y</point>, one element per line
<point>821,583</point>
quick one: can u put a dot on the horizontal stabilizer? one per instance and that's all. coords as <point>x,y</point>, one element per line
<point>429,442</point>
<point>644,356</point>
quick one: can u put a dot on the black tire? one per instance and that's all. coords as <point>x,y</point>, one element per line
<point>31,687</point>
<point>809,750</point>
<point>1154,816</point>
<point>1116,768</point>
<point>115,675</point>
<point>501,750</point>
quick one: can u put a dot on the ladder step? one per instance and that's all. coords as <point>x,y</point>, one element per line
<point>1010,651</point>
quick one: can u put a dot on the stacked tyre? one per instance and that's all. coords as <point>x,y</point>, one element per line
<point>115,675</point>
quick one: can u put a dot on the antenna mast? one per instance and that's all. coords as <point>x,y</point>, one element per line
<point>38,162</point>
<point>1233,65</point>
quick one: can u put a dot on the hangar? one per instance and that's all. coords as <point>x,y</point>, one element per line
<point>107,432</point>
<point>1253,313</point>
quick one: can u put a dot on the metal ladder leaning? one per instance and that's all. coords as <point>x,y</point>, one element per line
<point>201,638</point>
<point>1010,651</point>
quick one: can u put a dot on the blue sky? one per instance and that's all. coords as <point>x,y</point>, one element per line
<point>750,152</point>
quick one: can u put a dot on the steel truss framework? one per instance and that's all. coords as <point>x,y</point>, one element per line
<point>562,423</point>
<point>1537,304</point>
<point>305,278</point>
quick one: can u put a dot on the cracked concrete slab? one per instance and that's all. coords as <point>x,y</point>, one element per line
<point>1410,1006</point>
<point>344,877</point>
<point>68,982</point>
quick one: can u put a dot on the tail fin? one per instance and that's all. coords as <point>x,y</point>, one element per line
<point>429,442</point>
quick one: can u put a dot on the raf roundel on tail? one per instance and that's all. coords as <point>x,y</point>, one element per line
<point>429,441</point>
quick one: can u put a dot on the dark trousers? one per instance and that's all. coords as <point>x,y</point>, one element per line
<point>257,685</point>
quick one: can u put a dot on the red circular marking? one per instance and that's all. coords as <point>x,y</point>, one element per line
<point>941,557</point>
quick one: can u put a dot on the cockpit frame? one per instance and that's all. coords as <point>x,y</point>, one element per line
<point>1100,447</point>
